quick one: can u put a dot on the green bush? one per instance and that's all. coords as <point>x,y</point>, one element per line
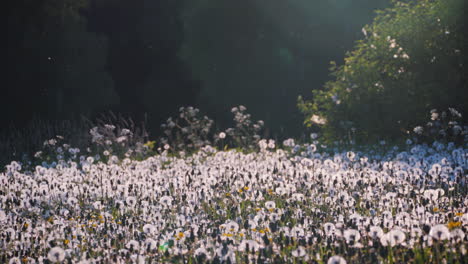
<point>413,59</point>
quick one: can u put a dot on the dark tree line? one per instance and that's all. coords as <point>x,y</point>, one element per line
<point>67,58</point>
<point>82,57</point>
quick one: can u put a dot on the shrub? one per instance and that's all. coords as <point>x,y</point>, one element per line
<point>187,132</point>
<point>412,59</point>
<point>443,126</point>
<point>246,133</point>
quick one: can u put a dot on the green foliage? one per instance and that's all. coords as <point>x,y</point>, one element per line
<point>412,59</point>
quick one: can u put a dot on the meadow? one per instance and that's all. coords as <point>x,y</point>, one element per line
<point>282,202</point>
<point>193,199</point>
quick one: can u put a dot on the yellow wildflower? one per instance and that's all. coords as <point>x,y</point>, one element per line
<point>179,236</point>
<point>453,224</point>
<point>150,144</point>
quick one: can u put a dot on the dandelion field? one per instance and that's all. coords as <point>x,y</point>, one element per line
<point>295,204</point>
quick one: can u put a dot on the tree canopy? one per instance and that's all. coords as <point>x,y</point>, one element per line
<point>413,58</point>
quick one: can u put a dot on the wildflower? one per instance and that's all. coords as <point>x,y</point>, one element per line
<point>232,226</point>
<point>166,201</point>
<point>393,238</point>
<point>289,142</point>
<point>375,232</point>
<point>418,130</point>
<point>299,252</point>
<point>457,235</point>
<point>350,155</point>
<point>14,260</point>
<point>202,253</point>
<point>179,235</point>
<point>329,228</point>
<point>56,255</point>
<point>336,260</point>
<point>351,235</point>
<point>226,253</point>
<point>271,144</point>
<point>131,201</point>
<point>133,245</point>
<point>270,205</point>
<point>263,144</point>
<point>222,135</point>
<point>439,232</point>
<point>297,232</point>
<point>150,144</point>
<point>149,228</point>
<point>248,245</point>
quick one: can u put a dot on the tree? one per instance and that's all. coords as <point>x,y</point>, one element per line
<point>413,59</point>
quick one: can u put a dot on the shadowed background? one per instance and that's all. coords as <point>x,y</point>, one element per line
<point>146,58</point>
